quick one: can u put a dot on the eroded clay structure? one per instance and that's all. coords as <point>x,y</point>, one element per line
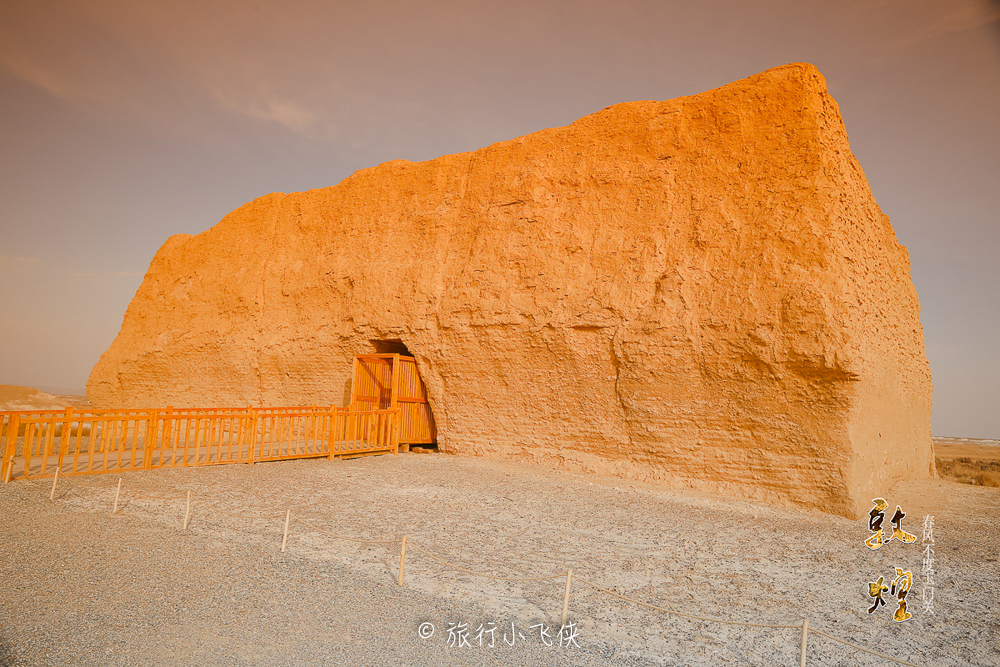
<point>699,293</point>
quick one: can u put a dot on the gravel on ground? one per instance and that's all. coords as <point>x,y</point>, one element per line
<point>79,586</point>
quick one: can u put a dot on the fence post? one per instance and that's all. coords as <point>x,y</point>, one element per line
<point>805,632</point>
<point>312,428</point>
<point>13,426</point>
<point>66,437</point>
<point>168,437</point>
<point>252,437</point>
<point>332,432</point>
<point>152,426</point>
<point>402,560</point>
<point>52,496</point>
<point>395,432</point>
<point>117,493</point>
<point>50,435</point>
<point>569,580</point>
<point>284,539</point>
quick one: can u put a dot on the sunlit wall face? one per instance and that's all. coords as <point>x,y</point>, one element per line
<point>123,123</point>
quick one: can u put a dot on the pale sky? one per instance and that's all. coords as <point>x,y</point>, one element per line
<point>123,122</point>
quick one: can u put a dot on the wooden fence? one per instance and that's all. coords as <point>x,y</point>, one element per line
<point>37,443</point>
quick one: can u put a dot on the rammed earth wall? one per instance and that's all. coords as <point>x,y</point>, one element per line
<point>701,292</point>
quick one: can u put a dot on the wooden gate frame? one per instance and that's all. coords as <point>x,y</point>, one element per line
<point>394,397</point>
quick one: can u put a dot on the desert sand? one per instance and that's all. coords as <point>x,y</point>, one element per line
<point>978,449</point>
<point>15,397</point>
<point>85,588</point>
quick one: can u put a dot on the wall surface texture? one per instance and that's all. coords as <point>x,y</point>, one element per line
<point>698,293</point>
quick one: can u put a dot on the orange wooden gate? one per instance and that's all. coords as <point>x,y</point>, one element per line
<point>390,382</point>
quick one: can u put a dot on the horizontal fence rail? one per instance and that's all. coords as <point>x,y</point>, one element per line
<point>38,443</point>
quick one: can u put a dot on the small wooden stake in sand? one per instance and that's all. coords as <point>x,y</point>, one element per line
<point>805,631</point>
<point>116,495</point>
<point>52,496</point>
<point>569,580</point>
<point>402,560</point>
<point>284,540</point>
<point>187,512</point>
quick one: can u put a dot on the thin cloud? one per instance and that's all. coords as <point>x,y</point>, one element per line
<point>289,114</point>
<point>12,266</point>
<point>168,64</point>
<point>953,16</point>
<point>21,66</point>
<point>104,274</point>
<point>67,50</point>
<point>7,261</point>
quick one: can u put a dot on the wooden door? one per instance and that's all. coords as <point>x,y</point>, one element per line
<point>390,381</point>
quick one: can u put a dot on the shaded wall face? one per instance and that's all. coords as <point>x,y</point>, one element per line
<point>891,437</point>
<point>703,408</point>
<point>692,292</point>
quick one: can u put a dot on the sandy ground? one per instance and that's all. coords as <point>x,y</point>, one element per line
<point>696,554</point>
<point>83,588</point>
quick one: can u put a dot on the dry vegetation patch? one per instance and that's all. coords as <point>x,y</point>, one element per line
<point>968,461</point>
<point>969,471</point>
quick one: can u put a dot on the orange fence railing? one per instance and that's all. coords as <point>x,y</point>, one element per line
<point>41,442</point>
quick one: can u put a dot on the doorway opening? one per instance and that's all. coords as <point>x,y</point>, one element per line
<point>389,380</point>
<point>390,346</point>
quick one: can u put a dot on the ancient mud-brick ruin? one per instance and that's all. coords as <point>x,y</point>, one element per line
<point>698,293</point>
